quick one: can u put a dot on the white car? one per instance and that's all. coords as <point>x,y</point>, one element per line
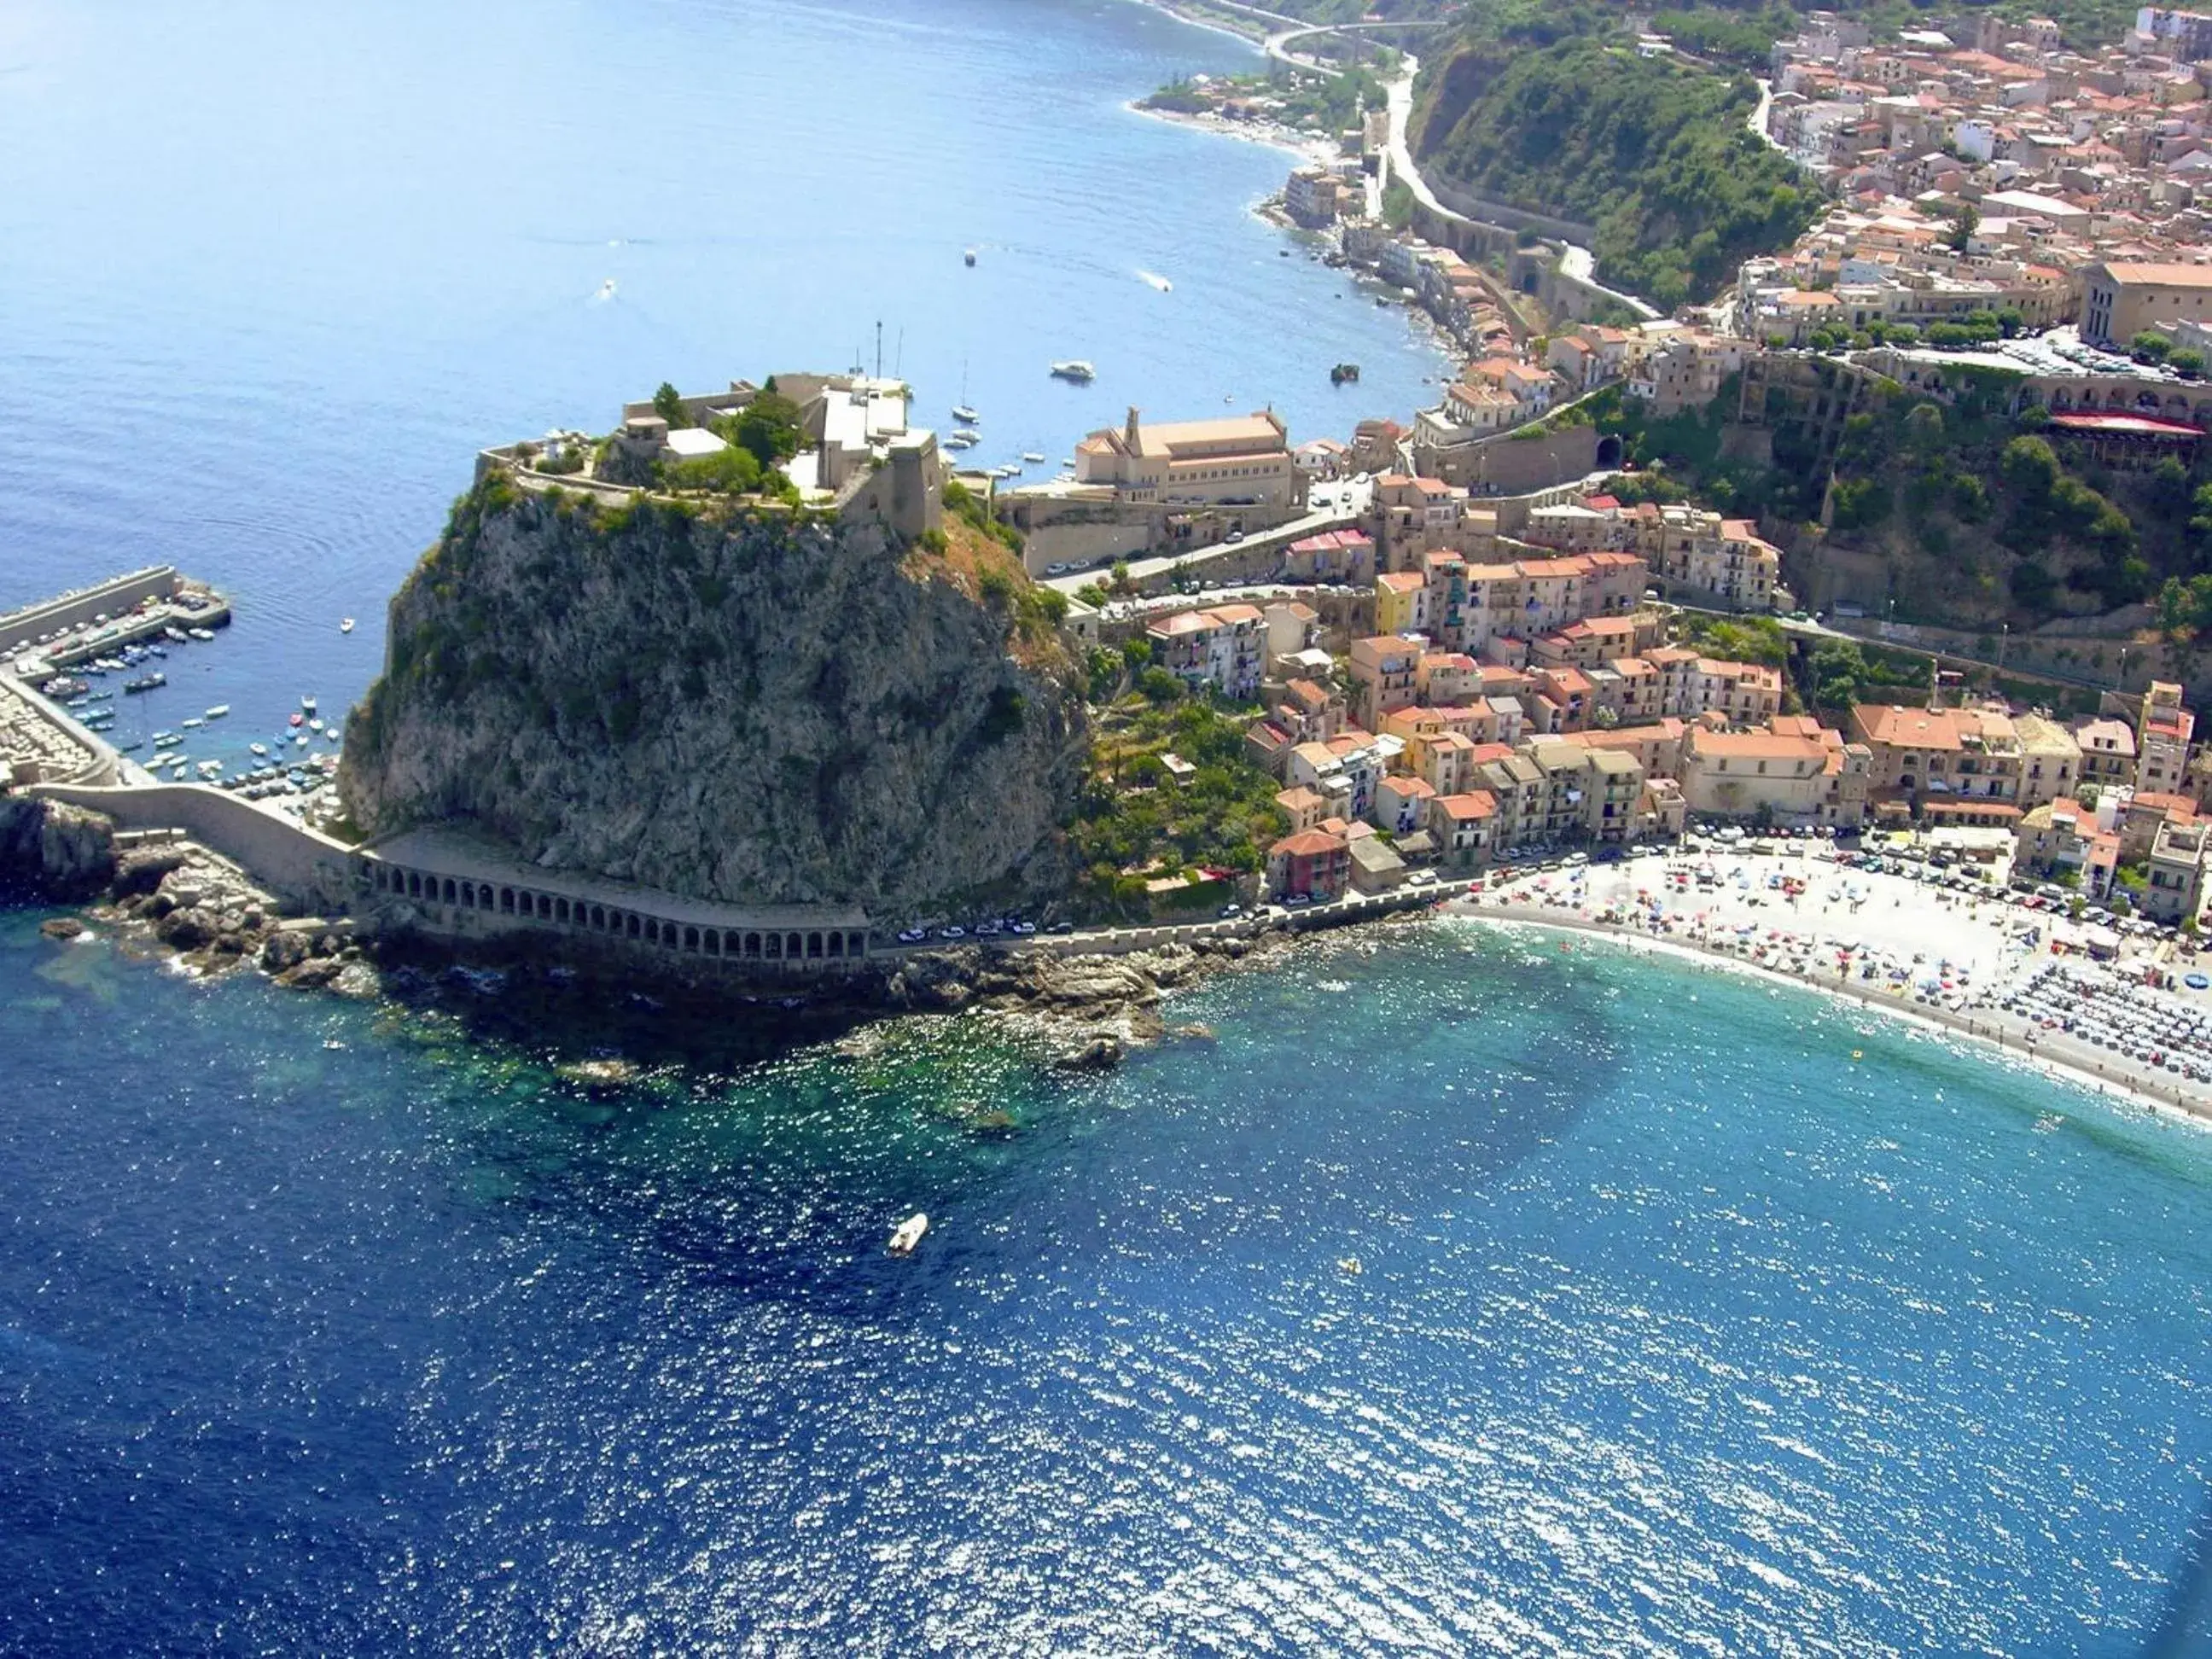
<point>912,935</point>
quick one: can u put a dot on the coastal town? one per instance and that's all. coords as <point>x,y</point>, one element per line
<point>1416,660</point>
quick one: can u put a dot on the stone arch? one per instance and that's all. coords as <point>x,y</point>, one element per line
<point>793,945</point>
<point>753,945</point>
<point>453,894</point>
<point>634,926</point>
<point>713,943</point>
<point>412,885</point>
<point>1608,451</point>
<point>598,919</point>
<point>561,910</point>
<point>691,938</point>
<point>813,945</point>
<point>545,906</point>
<point>775,947</point>
<point>507,900</point>
<point>837,945</point>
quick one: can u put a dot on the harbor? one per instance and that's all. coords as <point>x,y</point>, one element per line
<point>89,695</point>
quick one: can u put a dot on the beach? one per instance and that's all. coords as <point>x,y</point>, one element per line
<point>1975,965</point>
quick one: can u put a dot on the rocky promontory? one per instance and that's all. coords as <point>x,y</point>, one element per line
<point>723,700</point>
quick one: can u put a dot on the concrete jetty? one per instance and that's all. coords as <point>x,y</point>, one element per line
<point>41,639</point>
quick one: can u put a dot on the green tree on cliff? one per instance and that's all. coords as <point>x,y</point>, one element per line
<point>768,427</point>
<point>668,403</point>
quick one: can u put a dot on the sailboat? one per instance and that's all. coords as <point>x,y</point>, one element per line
<point>962,412</point>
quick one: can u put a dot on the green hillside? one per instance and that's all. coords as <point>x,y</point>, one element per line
<point>1654,155</point>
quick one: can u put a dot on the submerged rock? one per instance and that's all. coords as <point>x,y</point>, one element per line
<point>1100,1053</point>
<point>64,927</point>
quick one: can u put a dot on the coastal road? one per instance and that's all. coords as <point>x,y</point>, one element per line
<point>1577,263</point>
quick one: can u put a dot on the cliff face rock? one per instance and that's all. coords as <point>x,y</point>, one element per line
<point>53,850</point>
<point>719,703</point>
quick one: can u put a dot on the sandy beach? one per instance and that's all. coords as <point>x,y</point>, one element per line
<point>1978,966</point>
<point>1309,149</point>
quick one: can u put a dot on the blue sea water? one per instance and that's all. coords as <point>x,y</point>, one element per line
<point>1688,1317</point>
<point>271,273</point>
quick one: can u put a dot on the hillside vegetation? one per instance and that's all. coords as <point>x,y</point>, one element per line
<point>1981,518</point>
<point>1555,113</point>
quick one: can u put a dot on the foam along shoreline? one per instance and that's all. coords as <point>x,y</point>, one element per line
<point>2102,1072</point>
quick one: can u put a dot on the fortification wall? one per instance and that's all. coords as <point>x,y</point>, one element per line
<point>298,866</point>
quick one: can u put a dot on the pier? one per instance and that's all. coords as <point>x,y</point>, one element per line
<point>41,639</point>
<point>40,741</point>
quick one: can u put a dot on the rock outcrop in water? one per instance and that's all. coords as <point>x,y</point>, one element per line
<point>723,702</point>
<point>52,850</point>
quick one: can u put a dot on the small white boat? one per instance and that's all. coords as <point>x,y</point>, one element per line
<point>259,748</point>
<point>909,1234</point>
<point>202,634</point>
<point>1032,456</point>
<point>218,711</point>
<point>189,724</point>
<point>306,705</point>
<point>1075,369</point>
<point>962,441</point>
<point>964,415</point>
<point>969,256</point>
<point>345,624</point>
<point>315,725</point>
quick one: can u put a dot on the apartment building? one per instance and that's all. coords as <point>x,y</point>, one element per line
<point>1224,648</point>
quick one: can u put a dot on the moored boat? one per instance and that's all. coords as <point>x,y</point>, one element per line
<point>345,624</point>
<point>218,711</point>
<point>146,683</point>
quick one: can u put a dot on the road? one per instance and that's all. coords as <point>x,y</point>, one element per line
<point>1576,262</point>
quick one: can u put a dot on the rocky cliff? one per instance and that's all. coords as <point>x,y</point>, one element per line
<point>51,850</point>
<point>723,702</point>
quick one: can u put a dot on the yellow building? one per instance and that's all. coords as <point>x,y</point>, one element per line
<point>2122,298</point>
<point>1241,458</point>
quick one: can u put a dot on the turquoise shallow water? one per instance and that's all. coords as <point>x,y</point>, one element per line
<point>1676,1330</point>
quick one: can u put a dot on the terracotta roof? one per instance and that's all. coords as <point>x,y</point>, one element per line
<point>1473,804</point>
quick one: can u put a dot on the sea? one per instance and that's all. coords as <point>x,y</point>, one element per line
<point>1448,1289</point>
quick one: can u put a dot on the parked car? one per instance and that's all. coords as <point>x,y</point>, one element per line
<point>912,935</point>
